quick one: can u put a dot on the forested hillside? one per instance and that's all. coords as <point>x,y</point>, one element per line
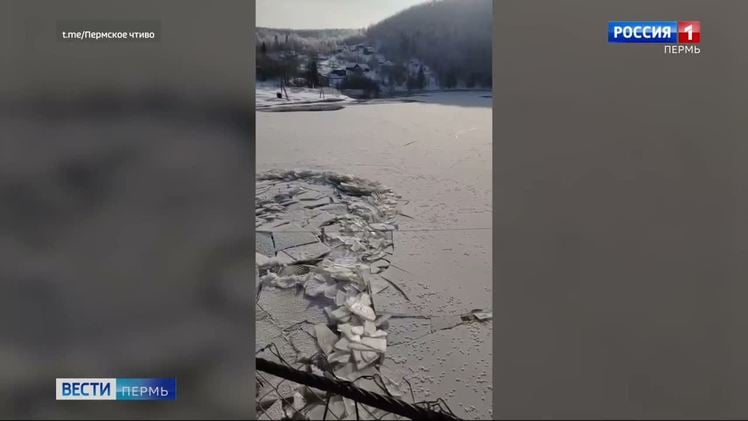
<point>440,43</point>
<point>453,37</point>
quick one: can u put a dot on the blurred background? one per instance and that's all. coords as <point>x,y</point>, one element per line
<point>126,171</point>
<point>620,214</point>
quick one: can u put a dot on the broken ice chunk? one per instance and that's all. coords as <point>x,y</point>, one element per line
<point>323,218</point>
<point>284,259</point>
<point>355,244</point>
<point>326,338</point>
<point>338,356</point>
<point>360,346</point>
<point>336,209</point>
<point>270,207</point>
<point>483,316</point>
<point>316,370</point>
<point>378,334</point>
<point>362,298</point>
<point>343,345</point>
<point>307,252</point>
<point>283,282</point>
<point>360,306</point>
<point>378,344</point>
<point>357,358</point>
<point>377,284</point>
<point>292,235</point>
<point>290,413</point>
<point>275,412</point>
<point>310,204</point>
<point>304,344</point>
<point>391,380</point>
<point>350,292</point>
<point>340,298</point>
<point>341,313</point>
<point>382,319</point>
<point>369,328</point>
<point>328,311</point>
<point>350,408</point>
<point>269,278</point>
<point>261,260</point>
<point>309,195</point>
<point>298,401</point>
<point>293,270</point>
<point>357,330</point>
<point>363,311</point>
<point>365,299</point>
<point>314,287</point>
<point>361,363</point>
<point>379,266</point>
<point>368,371</point>
<point>369,356</point>
<point>331,290</point>
<point>338,272</point>
<point>389,373</point>
<point>346,371</point>
<point>336,407</point>
<point>264,243</point>
<point>382,227</point>
<point>347,331</point>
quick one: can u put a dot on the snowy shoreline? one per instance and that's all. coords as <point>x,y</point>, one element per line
<point>309,99</point>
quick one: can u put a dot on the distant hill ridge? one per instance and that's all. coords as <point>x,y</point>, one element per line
<point>304,40</point>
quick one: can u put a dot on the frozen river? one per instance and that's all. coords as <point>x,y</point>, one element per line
<point>436,155</point>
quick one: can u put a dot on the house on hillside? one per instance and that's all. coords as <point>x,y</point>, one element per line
<point>333,78</point>
<point>358,68</point>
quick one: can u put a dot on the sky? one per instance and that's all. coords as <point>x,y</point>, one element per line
<point>327,14</point>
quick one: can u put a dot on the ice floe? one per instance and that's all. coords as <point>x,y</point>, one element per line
<point>324,242</point>
<point>328,236</point>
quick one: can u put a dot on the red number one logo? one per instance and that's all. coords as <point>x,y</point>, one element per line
<point>689,32</point>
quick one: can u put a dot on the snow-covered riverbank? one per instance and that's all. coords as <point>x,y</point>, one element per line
<point>308,99</point>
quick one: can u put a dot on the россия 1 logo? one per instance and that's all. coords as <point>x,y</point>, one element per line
<point>680,35</point>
